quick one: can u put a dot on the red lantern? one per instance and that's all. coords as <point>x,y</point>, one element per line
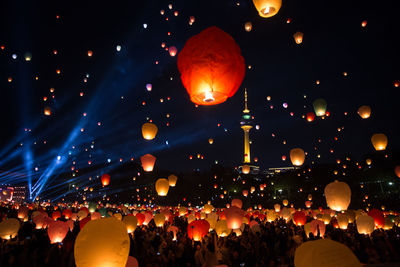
<point>56,215</point>
<point>67,214</point>
<point>378,217</point>
<point>105,179</point>
<point>57,231</point>
<point>198,229</point>
<point>299,218</point>
<point>140,218</point>
<point>211,66</point>
<point>148,162</point>
<point>310,116</point>
<point>234,217</point>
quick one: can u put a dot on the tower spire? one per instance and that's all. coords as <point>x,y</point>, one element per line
<point>245,102</point>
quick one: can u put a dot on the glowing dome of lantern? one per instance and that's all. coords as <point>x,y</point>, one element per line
<point>379,141</point>
<point>285,202</point>
<point>149,131</point>
<point>310,116</point>
<point>342,220</point>
<point>105,179</point>
<point>234,217</point>
<point>364,112</point>
<point>172,51</point>
<point>172,179</point>
<point>162,187</point>
<point>248,26</point>
<point>131,223</point>
<point>211,66</point>
<point>320,107</point>
<point>368,161</point>
<point>338,195</point>
<point>148,162</point>
<point>198,229</point>
<point>277,208</point>
<point>298,37</point>
<point>9,228</point>
<point>57,231</point>
<point>103,242</point>
<point>210,141</point>
<point>299,218</point>
<point>47,111</point>
<point>28,56</point>
<point>159,219</point>
<point>208,208</point>
<point>267,8</point>
<point>246,169</point>
<point>297,156</point>
<point>365,224</point>
<point>222,229</point>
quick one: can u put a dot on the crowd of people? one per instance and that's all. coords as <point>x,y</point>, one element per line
<point>273,245</point>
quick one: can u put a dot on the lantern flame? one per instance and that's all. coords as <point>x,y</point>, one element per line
<point>208,97</point>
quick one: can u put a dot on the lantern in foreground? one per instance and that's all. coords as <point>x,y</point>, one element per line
<point>149,131</point>
<point>267,8</point>
<point>105,179</point>
<point>103,242</point>
<point>172,180</point>
<point>9,228</point>
<point>148,162</point>
<point>320,107</point>
<point>211,66</point>
<point>297,156</point>
<point>316,225</point>
<point>234,217</point>
<point>198,229</point>
<point>338,195</point>
<point>379,141</point>
<point>324,252</point>
<point>57,231</point>
<point>248,26</point>
<point>298,37</point>
<point>365,224</point>
<point>364,112</point>
<point>162,187</point>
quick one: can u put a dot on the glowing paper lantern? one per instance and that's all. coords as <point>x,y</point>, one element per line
<point>131,223</point>
<point>172,180</point>
<point>365,224</point>
<point>285,202</point>
<point>245,169</point>
<point>299,218</point>
<point>22,212</point>
<point>297,156</point>
<point>9,228</point>
<point>47,111</point>
<point>148,216</point>
<point>221,228</point>
<point>237,203</point>
<point>162,187</point>
<point>148,162</point>
<point>234,217</point>
<point>248,26</point>
<point>364,112</point>
<point>397,171</point>
<point>245,193</point>
<point>342,220</point>
<point>210,141</point>
<point>320,106</point>
<point>310,116</point>
<point>338,195</point>
<point>316,225</point>
<point>57,231</point>
<point>67,213</point>
<point>159,219</point>
<point>208,208</point>
<point>298,37</point>
<point>149,131</point>
<point>326,253</point>
<point>172,51</point>
<point>378,217</point>
<point>105,179</point>
<point>379,141</point>
<point>308,204</point>
<point>132,262</point>
<point>198,229</point>
<point>277,207</point>
<point>103,242</point>
<point>267,8</point>
<point>211,66</point>
<point>140,218</point>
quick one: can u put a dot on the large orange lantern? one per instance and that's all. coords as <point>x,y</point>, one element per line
<point>57,231</point>
<point>105,179</point>
<point>211,66</point>
<point>198,229</point>
<point>297,156</point>
<point>148,162</point>
<point>172,180</point>
<point>149,131</point>
<point>234,217</point>
<point>364,112</point>
<point>103,242</point>
<point>338,195</point>
<point>267,8</point>
<point>162,187</point>
<point>379,141</point>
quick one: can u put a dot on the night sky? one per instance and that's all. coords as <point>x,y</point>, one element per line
<point>97,103</point>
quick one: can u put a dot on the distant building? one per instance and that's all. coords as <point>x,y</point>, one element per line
<point>274,171</point>
<point>19,194</point>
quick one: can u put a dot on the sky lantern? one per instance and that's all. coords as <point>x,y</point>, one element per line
<point>277,207</point>
<point>162,186</point>
<point>148,162</point>
<point>245,169</point>
<point>210,141</point>
<point>234,217</point>
<point>267,8</point>
<point>149,131</point>
<point>211,66</point>
<point>364,23</point>
<point>90,53</point>
<point>378,217</point>
<point>105,179</point>
<point>297,156</point>
<point>368,161</point>
<point>140,218</point>
<point>57,231</point>
<point>310,117</point>
<point>364,112</point>
<point>338,195</point>
<point>285,202</point>
<point>132,262</point>
<point>298,37</point>
<point>397,171</point>
<point>28,56</point>
<point>103,242</point>
<point>379,141</point>
<point>172,179</point>
<point>320,107</point>
<point>299,218</point>
<point>131,223</point>
<point>324,252</point>
<point>198,229</point>
<point>22,212</point>
<point>159,219</point>
<point>248,26</point>
<point>208,208</point>
<point>172,51</point>
<point>47,111</point>
<point>9,228</point>
<point>342,220</point>
<point>308,204</point>
<point>67,213</point>
<point>365,224</point>
<point>245,193</point>
<point>237,203</point>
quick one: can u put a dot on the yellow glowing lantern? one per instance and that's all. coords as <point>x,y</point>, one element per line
<point>364,112</point>
<point>9,228</point>
<point>182,211</point>
<point>342,220</point>
<point>277,207</point>
<point>298,37</point>
<point>285,202</point>
<point>248,26</point>
<point>365,224</point>
<point>159,219</point>
<point>130,223</point>
<point>162,187</point>
<point>57,231</point>
<point>47,111</point>
<point>297,156</point>
<point>221,228</point>
<point>103,242</point>
<point>245,169</point>
<point>267,8</point>
<point>210,141</point>
<point>338,195</point>
<point>368,161</point>
<point>208,208</point>
<point>379,141</point>
<point>172,180</point>
<point>149,131</point>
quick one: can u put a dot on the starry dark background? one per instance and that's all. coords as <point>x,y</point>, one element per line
<point>334,42</point>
